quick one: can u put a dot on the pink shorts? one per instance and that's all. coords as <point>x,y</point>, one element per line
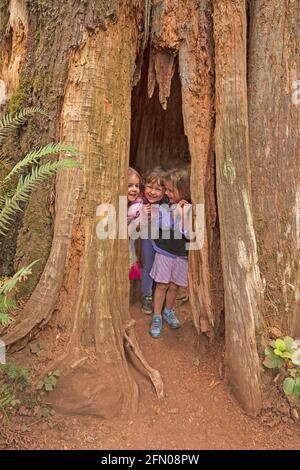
<point>166,269</point>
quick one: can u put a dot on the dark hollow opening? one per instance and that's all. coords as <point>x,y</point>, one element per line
<point>157,135</point>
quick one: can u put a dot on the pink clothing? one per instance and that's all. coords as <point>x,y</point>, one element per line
<point>135,271</point>
<point>133,219</point>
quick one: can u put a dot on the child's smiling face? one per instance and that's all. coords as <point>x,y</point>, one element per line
<point>133,188</point>
<point>154,192</point>
<point>172,192</point>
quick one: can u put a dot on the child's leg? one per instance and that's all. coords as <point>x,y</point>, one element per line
<point>169,314</point>
<point>148,254</point>
<point>159,297</point>
<point>171,295</point>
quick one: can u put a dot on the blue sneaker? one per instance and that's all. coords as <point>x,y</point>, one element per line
<point>170,317</point>
<point>156,326</point>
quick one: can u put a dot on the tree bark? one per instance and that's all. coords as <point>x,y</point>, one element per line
<point>274,64</point>
<point>79,61</point>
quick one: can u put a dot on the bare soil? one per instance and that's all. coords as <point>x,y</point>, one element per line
<point>199,411</point>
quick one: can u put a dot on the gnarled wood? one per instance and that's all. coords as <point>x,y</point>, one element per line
<point>12,48</point>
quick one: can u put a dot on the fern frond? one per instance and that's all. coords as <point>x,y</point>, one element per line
<point>11,121</point>
<point>10,284</point>
<point>6,304</point>
<point>26,185</point>
<point>5,319</point>
<point>35,155</point>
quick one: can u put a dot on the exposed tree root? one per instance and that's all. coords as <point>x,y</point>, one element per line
<point>132,343</point>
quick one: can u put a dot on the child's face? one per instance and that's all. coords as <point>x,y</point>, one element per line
<point>172,192</point>
<point>154,192</point>
<point>133,188</point>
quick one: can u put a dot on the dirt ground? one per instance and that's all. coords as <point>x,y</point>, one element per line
<point>199,411</point>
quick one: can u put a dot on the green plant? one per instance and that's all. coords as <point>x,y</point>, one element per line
<point>14,380</point>
<point>8,304</point>
<point>48,383</point>
<point>284,354</point>
<point>10,205</point>
<point>11,121</point>
<point>39,172</point>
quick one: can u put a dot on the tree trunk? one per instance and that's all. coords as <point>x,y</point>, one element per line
<point>95,117</point>
<point>274,152</point>
<point>238,244</point>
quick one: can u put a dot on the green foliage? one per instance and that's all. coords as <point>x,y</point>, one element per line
<point>291,386</point>
<point>6,287</point>
<point>14,379</point>
<point>34,156</point>
<point>272,361</point>
<point>12,121</point>
<point>284,355</point>
<point>11,199</point>
<point>10,205</point>
<point>278,351</point>
<point>49,382</point>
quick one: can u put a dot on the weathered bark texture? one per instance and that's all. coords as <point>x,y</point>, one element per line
<point>154,83</point>
<point>239,254</point>
<point>274,64</point>
<point>197,76</point>
<point>13,40</point>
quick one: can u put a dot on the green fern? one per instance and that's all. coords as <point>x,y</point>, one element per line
<point>26,185</point>
<point>10,199</point>
<point>6,304</point>
<point>11,283</point>
<point>14,382</point>
<point>6,396</point>
<point>35,155</point>
<point>5,319</point>
<point>12,121</point>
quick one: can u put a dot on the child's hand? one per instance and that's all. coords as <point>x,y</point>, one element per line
<point>147,210</point>
<point>183,203</point>
<point>181,212</point>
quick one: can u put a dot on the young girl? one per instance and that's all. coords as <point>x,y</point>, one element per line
<point>135,208</point>
<point>170,267</point>
<point>153,194</point>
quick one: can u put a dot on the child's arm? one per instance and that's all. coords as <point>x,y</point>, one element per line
<point>133,218</point>
<point>183,218</point>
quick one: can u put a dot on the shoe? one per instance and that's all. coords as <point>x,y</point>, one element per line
<point>170,317</point>
<point>147,304</point>
<point>156,326</point>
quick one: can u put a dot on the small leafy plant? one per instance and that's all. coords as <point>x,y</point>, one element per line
<point>48,383</point>
<point>284,354</point>
<point>14,379</point>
